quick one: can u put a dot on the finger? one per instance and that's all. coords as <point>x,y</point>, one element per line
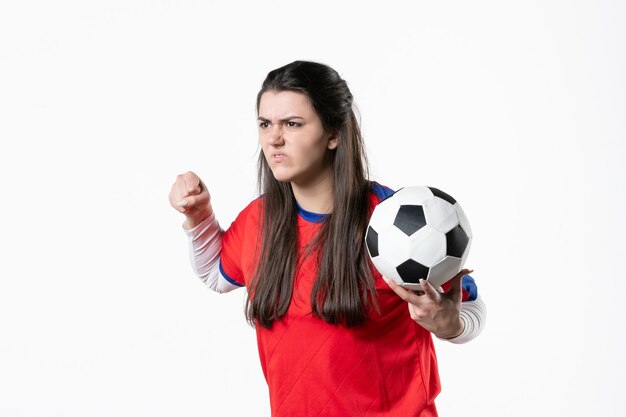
<point>455,291</point>
<point>186,186</point>
<point>465,271</point>
<point>181,187</point>
<point>175,198</point>
<point>178,190</point>
<point>176,203</point>
<point>193,185</point>
<point>456,285</point>
<point>429,290</point>
<point>194,201</point>
<point>416,312</point>
<point>403,293</point>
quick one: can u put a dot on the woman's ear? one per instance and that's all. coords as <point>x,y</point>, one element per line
<point>333,140</point>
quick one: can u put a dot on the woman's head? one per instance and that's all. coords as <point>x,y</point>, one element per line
<point>295,144</point>
<point>299,87</point>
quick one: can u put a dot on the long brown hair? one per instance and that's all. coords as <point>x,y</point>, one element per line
<point>344,288</point>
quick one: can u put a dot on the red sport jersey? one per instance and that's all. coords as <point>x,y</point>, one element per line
<point>386,367</point>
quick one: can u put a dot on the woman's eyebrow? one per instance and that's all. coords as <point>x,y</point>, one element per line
<point>263,119</point>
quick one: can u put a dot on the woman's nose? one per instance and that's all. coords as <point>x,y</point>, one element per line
<point>276,135</point>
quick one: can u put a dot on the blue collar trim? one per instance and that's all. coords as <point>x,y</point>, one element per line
<point>310,216</point>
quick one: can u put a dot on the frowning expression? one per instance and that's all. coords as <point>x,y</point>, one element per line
<point>294,142</point>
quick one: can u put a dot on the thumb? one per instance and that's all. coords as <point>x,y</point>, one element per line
<point>456,286</point>
<point>194,201</point>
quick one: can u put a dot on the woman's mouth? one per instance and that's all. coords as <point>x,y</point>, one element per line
<point>278,156</point>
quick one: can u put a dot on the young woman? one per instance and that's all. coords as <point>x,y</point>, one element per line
<point>334,336</point>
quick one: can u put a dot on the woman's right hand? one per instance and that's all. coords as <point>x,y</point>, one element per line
<point>190,196</point>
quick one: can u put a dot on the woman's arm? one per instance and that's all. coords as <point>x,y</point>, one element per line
<point>190,196</point>
<point>205,244</point>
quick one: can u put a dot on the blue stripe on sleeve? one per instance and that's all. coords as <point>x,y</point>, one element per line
<point>229,279</point>
<point>469,285</point>
<point>381,191</point>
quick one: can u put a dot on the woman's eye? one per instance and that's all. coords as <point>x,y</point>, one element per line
<point>263,125</point>
<point>293,124</point>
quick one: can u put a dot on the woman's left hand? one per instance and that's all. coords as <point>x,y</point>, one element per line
<point>436,312</point>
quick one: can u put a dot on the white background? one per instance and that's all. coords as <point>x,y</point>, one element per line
<point>517,109</point>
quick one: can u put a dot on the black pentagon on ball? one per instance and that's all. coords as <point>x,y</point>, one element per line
<point>410,219</point>
<point>371,239</point>
<point>456,242</point>
<point>438,193</point>
<point>412,271</point>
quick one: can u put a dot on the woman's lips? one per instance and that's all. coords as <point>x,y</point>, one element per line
<point>278,157</point>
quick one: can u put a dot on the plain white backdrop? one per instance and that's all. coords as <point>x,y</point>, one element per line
<point>517,109</point>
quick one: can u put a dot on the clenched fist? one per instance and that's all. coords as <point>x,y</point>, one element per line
<point>190,196</point>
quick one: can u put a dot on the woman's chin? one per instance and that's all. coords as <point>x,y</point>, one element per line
<point>281,176</point>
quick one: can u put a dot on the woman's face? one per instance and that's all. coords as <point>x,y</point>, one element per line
<point>294,142</point>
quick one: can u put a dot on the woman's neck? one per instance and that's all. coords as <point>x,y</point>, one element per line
<point>316,196</point>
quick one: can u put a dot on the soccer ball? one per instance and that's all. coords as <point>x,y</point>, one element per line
<point>418,233</point>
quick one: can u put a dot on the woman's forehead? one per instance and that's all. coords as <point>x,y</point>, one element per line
<point>281,104</point>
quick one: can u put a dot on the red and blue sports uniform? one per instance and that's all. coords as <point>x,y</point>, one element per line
<point>385,367</point>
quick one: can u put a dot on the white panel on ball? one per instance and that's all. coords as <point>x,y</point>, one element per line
<point>386,269</point>
<point>384,215</point>
<point>393,245</point>
<point>444,270</point>
<point>428,246</point>
<point>463,220</point>
<point>413,195</point>
<point>440,214</point>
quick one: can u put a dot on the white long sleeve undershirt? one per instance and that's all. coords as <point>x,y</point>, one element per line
<point>205,243</point>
